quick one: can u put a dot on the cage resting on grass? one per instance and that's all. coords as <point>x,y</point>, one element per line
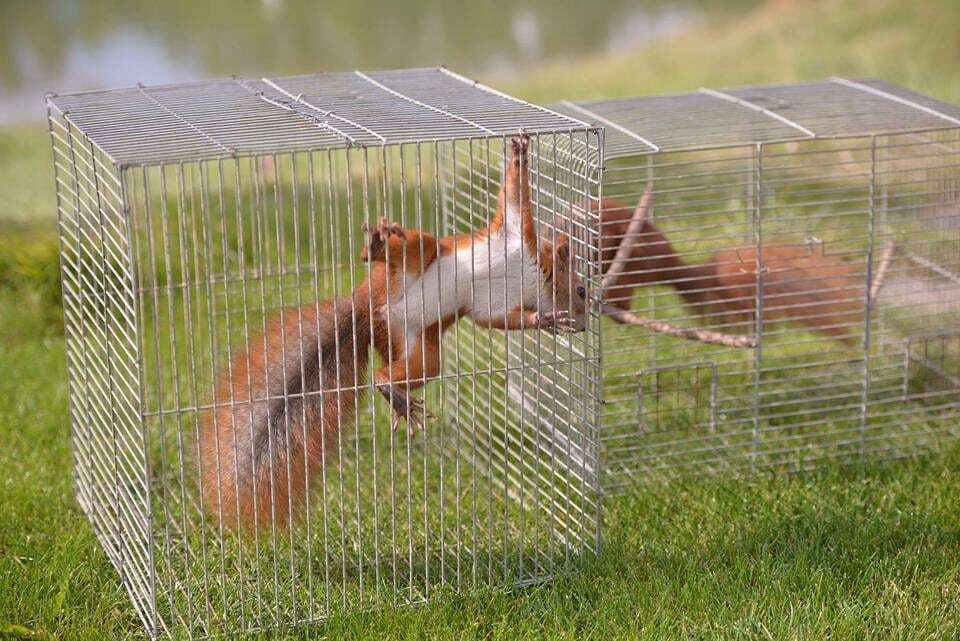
<point>769,278</point>
<point>821,221</point>
<point>211,240</point>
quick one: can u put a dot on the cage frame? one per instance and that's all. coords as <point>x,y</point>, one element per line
<point>134,556</point>
<point>869,118</point>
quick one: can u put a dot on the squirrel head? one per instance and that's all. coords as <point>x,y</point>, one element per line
<point>566,291</point>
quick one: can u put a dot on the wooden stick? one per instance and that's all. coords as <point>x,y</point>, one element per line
<point>703,335</point>
<point>629,240</point>
<point>885,259</point>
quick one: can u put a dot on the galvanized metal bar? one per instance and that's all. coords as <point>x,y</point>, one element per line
<point>609,123</point>
<point>758,108</point>
<point>889,96</point>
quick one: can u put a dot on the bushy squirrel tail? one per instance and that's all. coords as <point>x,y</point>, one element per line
<point>279,404</point>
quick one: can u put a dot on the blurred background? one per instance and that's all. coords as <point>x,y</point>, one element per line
<point>83,44</point>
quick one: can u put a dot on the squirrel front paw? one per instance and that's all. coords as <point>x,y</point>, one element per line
<point>377,238</point>
<point>520,144</point>
<point>559,322</point>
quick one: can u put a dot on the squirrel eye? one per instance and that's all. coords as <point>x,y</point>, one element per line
<point>582,292</point>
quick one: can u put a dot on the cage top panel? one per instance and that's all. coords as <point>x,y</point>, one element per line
<point>748,115</point>
<point>236,116</point>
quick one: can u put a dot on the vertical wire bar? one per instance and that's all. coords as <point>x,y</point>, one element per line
<point>245,333</point>
<point>277,309</point>
<point>536,377</point>
<point>366,213</point>
<point>355,384</point>
<point>504,338</point>
<point>596,432</point>
<point>517,361</point>
<point>257,208</point>
<point>491,491</point>
<point>306,396</point>
<point>141,347</point>
<point>565,364</point>
<point>538,404</point>
<point>263,272</point>
<point>224,249</point>
<point>548,347</point>
<point>206,231</point>
<point>552,350</point>
<point>441,410</point>
<point>161,418</point>
<point>227,323</point>
<point>407,349</point>
<point>315,264</point>
<point>475,473</point>
<point>868,300</point>
<point>328,214</point>
<point>580,266</point>
<point>285,359</point>
<point>369,217</point>
<point>758,300</point>
<point>198,278</point>
<point>418,209</point>
<point>333,187</point>
<point>153,614</point>
<point>450,198</point>
<point>191,350</point>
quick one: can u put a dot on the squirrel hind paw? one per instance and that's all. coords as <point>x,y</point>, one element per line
<point>405,407</point>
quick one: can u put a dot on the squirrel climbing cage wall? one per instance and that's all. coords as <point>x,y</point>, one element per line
<point>264,279</point>
<point>254,295</point>
<point>804,240</point>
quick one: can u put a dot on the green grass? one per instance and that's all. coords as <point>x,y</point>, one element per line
<point>844,554</point>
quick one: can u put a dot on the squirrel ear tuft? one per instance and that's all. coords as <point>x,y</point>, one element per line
<point>562,249</point>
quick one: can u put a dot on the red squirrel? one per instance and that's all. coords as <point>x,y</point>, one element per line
<point>284,397</point>
<point>799,283</point>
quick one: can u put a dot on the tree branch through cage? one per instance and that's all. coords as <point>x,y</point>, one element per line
<point>703,335</point>
<point>624,317</point>
<point>885,258</point>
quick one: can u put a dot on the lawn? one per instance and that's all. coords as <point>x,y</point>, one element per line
<point>868,552</point>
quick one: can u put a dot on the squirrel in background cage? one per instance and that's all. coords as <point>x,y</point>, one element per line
<point>282,400</point>
<point>799,283</point>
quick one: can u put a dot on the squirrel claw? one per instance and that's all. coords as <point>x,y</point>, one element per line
<point>416,416</point>
<point>559,322</point>
<point>405,407</point>
<point>520,144</point>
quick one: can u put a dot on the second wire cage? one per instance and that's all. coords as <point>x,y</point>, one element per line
<point>806,240</point>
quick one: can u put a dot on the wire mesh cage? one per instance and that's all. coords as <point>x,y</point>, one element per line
<point>801,243</point>
<point>238,254</point>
